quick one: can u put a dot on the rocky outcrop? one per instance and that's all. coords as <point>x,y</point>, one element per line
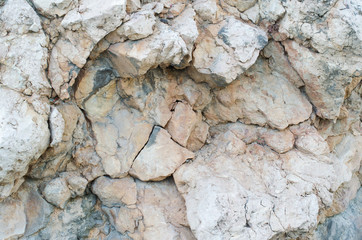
<point>175,119</point>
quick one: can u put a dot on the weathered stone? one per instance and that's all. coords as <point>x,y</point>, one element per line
<point>12,219</point>
<point>241,5</point>
<point>207,10</point>
<point>84,27</point>
<point>140,25</point>
<point>24,137</point>
<point>232,48</point>
<point>271,10</point>
<point>56,124</point>
<point>36,209</point>
<point>115,192</point>
<point>280,141</point>
<point>57,192</point>
<point>159,158</point>
<point>260,97</point>
<point>182,123</point>
<point>54,8</point>
<point>165,46</point>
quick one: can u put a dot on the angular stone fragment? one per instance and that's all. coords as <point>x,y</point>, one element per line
<point>159,158</point>
<point>115,192</point>
<point>57,192</point>
<point>260,97</point>
<point>37,210</point>
<point>12,219</point>
<point>165,46</point>
<point>53,8</point>
<point>252,193</point>
<point>182,123</point>
<point>140,25</point>
<point>280,141</point>
<point>84,28</point>
<point>206,9</point>
<point>241,5</point>
<point>325,81</point>
<point>232,48</point>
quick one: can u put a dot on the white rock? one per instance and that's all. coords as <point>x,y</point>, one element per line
<point>159,158</point>
<point>56,124</point>
<point>234,48</point>
<point>24,136</point>
<point>206,9</point>
<point>54,8</point>
<point>140,25</point>
<point>57,192</point>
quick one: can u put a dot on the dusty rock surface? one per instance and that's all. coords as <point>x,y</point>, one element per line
<point>175,119</point>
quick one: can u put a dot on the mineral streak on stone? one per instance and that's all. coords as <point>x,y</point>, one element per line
<point>177,119</point>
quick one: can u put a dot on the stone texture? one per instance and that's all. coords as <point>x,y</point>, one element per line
<point>159,158</point>
<point>53,8</point>
<point>139,26</point>
<point>267,185</point>
<point>346,225</point>
<point>12,219</point>
<point>83,28</point>
<point>115,192</point>
<point>261,97</point>
<point>231,48</point>
<point>24,137</point>
<point>57,192</point>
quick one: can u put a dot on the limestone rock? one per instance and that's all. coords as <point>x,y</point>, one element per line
<point>207,10</point>
<point>24,137</point>
<point>12,219</point>
<point>326,95</point>
<point>23,51</point>
<point>83,28</point>
<point>56,124</point>
<point>262,97</point>
<point>36,209</point>
<point>115,192</point>
<point>182,123</point>
<point>232,48</point>
<point>159,158</point>
<point>165,46</point>
<point>140,25</point>
<point>54,8</point>
<point>241,5</point>
<point>267,185</point>
<point>57,192</point>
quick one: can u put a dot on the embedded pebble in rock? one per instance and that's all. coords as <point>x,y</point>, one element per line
<point>176,119</point>
<point>153,164</point>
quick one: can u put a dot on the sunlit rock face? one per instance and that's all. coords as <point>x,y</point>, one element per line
<point>175,119</point>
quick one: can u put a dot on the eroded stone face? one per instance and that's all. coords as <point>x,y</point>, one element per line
<point>177,119</point>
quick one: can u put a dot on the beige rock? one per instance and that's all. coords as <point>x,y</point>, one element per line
<point>163,209</point>
<point>57,192</point>
<point>233,47</point>
<point>198,136</point>
<point>241,5</point>
<point>252,192</point>
<point>182,123</point>
<point>83,28</point>
<point>207,10</point>
<point>165,46</point>
<point>280,141</point>
<point>12,219</point>
<point>115,192</point>
<point>124,219</point>
<point>140,25</point>
<point>261,97</point>
<point>159,158</point>
<point>56,124</point>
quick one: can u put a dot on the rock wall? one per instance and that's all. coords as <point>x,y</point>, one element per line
<point>180,119</point>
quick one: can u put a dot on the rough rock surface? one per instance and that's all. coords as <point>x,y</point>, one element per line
<point>176,119</point>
